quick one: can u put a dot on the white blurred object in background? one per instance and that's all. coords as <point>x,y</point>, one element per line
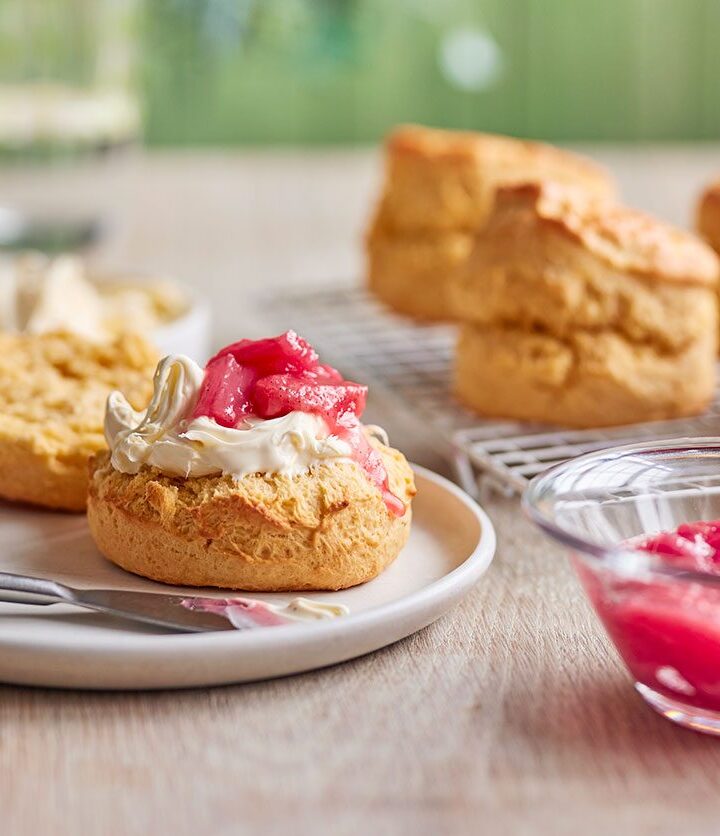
<point>40,294</point>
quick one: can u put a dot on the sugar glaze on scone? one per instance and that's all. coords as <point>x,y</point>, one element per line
<point>253,474</point>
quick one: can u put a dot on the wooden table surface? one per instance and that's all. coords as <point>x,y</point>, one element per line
<point>510,715</point>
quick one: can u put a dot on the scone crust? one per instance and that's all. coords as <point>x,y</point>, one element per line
<point>439,179</point>
<point>708,215</point>
<point>327,529</point>
<point>438,191</point>
<point>584,313</point>
<point>53,389</point>
<point>551,260</point>
<point>584,380</point>
<point>30,475</point>
<point>410,273</point>
<point>624,238</point>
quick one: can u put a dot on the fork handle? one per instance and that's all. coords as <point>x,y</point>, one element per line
<point>19,589</point>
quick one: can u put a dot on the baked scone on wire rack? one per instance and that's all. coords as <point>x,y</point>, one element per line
<point>53,389</point>
<point>708,216</point>
<point>438,191</point>
<point>254,473</point>
<point>584,313</point>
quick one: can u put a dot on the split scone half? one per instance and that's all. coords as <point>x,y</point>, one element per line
<point>438,191</point>
<point>584,313</point>
<point>252,474</point>
<point>53,389</point>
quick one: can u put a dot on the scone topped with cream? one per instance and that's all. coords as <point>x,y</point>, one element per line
<point>438,191</point>
<point>254,473</point>
<point>585,313</point>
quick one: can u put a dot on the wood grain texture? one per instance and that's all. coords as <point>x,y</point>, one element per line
<point>510,715</point>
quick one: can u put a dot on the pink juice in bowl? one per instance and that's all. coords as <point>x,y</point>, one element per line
<point>667,630</point>
<point>657,593</point>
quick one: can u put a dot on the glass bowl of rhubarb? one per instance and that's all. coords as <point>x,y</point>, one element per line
<point>642,526</point>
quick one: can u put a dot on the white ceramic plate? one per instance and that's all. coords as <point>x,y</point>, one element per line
<point>451,544</point>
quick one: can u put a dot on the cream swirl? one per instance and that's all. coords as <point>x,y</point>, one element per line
<point>165,437</point>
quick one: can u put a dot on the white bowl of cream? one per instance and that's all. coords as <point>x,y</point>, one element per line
<point>40,294</point>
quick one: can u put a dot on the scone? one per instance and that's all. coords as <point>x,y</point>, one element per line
<point>584,313</point>
<point>708,215</point>
<point>408,272</point>
<point>53,390</point>
<point>438,191</point>
<point>252,474</point>
<point>438,180</point>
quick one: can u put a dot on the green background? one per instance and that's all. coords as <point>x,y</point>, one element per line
<point>218,71</point>
<point>227,72</point>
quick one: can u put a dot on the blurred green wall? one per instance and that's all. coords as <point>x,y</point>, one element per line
<point>316,71</point>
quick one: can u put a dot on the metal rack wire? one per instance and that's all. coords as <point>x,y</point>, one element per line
<point>411,364</point>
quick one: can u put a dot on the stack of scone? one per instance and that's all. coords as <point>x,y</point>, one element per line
<point>438,191</point>
<point>584,313</point>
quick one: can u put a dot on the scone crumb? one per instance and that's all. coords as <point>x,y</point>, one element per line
<point>163,498</point>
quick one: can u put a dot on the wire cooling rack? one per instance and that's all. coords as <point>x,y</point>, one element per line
<point>411,364</point>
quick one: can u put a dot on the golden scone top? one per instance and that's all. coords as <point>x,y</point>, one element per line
<point>440,146</point>
<point>625,238</point>
<point>445,181</point>
<point>434,143</point>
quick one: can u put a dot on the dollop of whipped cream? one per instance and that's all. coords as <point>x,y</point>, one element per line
<point>164,437</point>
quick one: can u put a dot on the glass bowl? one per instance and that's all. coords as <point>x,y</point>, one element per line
<point>662,614</point>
